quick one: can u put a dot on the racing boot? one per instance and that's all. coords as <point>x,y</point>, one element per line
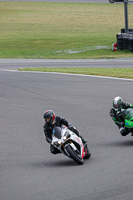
<point>124,131</point>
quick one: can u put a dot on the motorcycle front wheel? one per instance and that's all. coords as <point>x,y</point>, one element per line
<point>77,158</point>
<point>111,1</point>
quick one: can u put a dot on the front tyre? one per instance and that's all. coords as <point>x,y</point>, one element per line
<point>77,158</point>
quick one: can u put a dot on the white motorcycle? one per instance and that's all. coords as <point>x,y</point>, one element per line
<point>68,143</point>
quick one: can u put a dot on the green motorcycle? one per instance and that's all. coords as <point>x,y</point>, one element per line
<point>128,116</point>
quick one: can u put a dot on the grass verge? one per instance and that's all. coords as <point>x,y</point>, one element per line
<point>110,72</point>
<point>60,30</point>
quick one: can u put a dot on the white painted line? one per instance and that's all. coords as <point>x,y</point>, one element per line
<point>69,74</point>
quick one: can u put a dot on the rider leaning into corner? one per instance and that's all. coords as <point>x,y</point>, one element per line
<point>116,114</point>
<point>50,122</point>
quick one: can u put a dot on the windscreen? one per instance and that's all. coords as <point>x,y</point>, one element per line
<point>57,132</point>
<point>128,114</point>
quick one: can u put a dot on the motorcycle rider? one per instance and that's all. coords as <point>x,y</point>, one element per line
<point>116,113</point>
<point>50,122</point>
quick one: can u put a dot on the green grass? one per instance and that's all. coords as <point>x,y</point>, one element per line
<point>60,30</point>
<point>111,72</point>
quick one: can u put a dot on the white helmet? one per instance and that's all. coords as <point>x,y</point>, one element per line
<point>117,103</point>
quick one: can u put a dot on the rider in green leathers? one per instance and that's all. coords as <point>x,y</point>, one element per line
<point>116,114</point>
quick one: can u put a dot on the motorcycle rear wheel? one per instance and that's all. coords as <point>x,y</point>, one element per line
<point>77,158</point>
<point>111,1</point>
<point>87,151</point>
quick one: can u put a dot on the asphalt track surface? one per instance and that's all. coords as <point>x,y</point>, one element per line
<point>27,169</point>
<point>106,63</point>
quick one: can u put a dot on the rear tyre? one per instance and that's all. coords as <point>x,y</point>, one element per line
<point>77,158</point>
<point>87,152</point>
<point>111,1</point>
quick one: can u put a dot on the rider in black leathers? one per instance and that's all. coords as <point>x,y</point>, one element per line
<point>50,122</point>
<point>116,114</point>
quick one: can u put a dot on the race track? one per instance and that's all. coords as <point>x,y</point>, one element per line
<point>106,63</point>
<point>27,169</point>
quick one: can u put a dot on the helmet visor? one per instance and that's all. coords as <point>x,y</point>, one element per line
<point>116,106</point>
<point>47,119</point>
